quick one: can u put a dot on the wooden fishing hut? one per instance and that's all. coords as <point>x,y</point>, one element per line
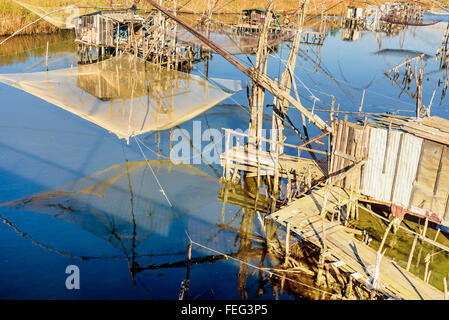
<point>106,30</point>
<point>252,21</point>
<point>151,37</point>
<point>407,165</point>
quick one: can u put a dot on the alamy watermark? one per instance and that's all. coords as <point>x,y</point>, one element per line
<point>204,145</point>
<point>73,280</point>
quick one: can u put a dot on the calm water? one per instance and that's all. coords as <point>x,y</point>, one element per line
<point>77,195</point>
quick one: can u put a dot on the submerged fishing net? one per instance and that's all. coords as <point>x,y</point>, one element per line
<point>122,204</point>
<point>61,17</point>
<point>125,95</point>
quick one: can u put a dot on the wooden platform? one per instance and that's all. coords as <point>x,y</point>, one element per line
<point>346,252</point>
<point>250,160</point>
<point>312,38</point>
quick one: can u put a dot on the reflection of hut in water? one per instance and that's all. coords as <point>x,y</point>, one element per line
<point>409,13</point>
<point>354,13</point>
<point>354,18</point>
<point>126,96</point>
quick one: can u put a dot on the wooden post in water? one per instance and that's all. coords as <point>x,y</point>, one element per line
<point>361,103</point>
<point>446,293</point>
<point>418,81</point>
<point>385,236</point>
<point>189,258</point>
<point>412,250</point>
<point>46,58</point>
<point>426,271</point>
<point>319,277</point>
<point>426,223</point>
<point>287,245</point>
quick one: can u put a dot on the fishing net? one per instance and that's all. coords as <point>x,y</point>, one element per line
<point>122,204</point>
<point>124,95</point>
<point>61,17</point>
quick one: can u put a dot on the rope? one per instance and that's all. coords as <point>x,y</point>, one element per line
<point>152,171</point>
<point>40,18</point>
<point>267,270</point>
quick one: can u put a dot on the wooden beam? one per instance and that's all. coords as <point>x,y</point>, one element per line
<point>406,61</point>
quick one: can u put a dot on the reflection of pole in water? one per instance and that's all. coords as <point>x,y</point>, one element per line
<point>245,235</point>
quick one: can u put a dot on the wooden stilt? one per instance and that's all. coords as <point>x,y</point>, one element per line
<point>412,250</point>
<point>385,236</point>
<point>287,245</point>
<point>46,58</point>
<point>446,293</point>
<point>427,261</point>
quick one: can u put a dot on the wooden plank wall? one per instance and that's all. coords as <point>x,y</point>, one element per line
<point>350,147</point>
<point>431,186</point>
<point>96,30</point>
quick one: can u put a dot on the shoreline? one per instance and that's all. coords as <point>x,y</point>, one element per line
<point>9,24</point>
<point>14,16</point>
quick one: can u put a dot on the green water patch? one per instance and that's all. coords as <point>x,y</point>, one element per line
<point>398,245</point>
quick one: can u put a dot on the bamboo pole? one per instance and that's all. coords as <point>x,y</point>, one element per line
<point>412,250</point>
<point>418,81</point>
<point>46,58</point>
<point>287,245</point>
<point>446,293</point>
<point>385,236</point>
<point>361,103</point>
<point>405,62</point>
<point>426,271</point>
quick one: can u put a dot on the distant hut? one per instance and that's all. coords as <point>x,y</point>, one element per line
<point>257,16</point>
<point>107,28</point>
<point>354,13</point>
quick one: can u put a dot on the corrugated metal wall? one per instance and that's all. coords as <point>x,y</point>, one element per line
<point>385,176</point>
<point>407,167</point>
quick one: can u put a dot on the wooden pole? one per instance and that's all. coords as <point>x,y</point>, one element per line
<point>412,250</point>
<point>425,228</point>
<point>418,81</point>
<point>385,236</point>
<point>427,261</point>
<point>287,245</point>
<point>361,103</point>
<point>446,293</point>
<point>46,58</point>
